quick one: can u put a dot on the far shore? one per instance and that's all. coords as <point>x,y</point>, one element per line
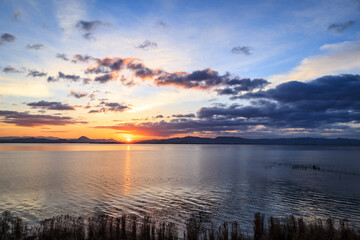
<point>192,140</point>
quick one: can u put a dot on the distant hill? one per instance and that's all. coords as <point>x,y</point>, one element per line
<point>82,139</point>
<point>192,140</point>
<point>239,140</point>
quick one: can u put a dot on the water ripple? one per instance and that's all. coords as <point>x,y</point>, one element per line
<point>215,182</point>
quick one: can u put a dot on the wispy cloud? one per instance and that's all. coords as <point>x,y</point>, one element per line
<point>36,73</point>
<point>340,27</point>
<point>337,58</point>
<point>82,58</point>
<point>35,46</point>
<point>77,94</point>
<point>246,50</point>
<point>147,45</point>
<point>68,13</point>
<point>62,56</point>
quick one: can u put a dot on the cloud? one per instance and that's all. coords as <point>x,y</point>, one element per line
<point>336,59</point>
<point>115,107</point>
<point>62,75</point>
<point>62,56</point>
<point>105,78</point>
<point>325,93</point>
<point>6,38</point>
<point>178,126</point>
<point>68,76</point>
<point>340,27</point>
<point>26,119</point>
<point>206,79</point>
<point>51,105</point>
<point>88,27</point>
<point>140,70</point>
<point>326,105</point>
<point>92,96</point>
<point>9,69</point>
<point>95,111</point>
<point>246,50</point>
<point>190,115</point>
<point>243,85</point>
<point>161,23</point>
<point>82,58</point>
<point>111,107</point>
<point>35,73</point>
<point>202,79</point>
<point>86,80</point>
<point>108,64</point>
<point>209,79</point>
<point>36,46</point>
<point>159,116</point>
<point>78,94</point>
<point>146,45</point>
<point>279,116</point>
<point>52,79</point>
<point>76,58</point>
<point>68,13</point>
<point>322,102</point>
<point>110,68</point>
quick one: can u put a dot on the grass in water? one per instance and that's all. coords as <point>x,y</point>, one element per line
<point>130,228</point>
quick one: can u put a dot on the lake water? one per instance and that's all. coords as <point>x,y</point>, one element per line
<point>170,182</point>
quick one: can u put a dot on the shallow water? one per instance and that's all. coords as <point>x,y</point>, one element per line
<point>170,182</point>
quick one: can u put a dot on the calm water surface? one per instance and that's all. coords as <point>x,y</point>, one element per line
<point>169,182</point>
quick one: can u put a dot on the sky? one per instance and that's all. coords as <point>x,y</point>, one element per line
<point>169,68</point>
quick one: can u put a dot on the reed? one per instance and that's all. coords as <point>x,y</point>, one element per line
<point>128,227</point>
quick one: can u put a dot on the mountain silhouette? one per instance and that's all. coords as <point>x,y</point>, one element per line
<point>192,140</point>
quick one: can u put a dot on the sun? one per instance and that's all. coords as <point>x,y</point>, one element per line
<point>128,139</point>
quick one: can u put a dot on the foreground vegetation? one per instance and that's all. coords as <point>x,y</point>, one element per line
<point>130,228</point>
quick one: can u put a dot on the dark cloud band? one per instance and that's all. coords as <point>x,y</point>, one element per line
<point>330,104</point>
<point>51,105</point>
<point>26,119</point>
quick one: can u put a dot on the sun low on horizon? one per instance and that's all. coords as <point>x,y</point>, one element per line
<point>114,70</point>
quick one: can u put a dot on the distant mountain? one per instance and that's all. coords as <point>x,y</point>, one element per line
<point>192,140</point>
<point>239,140</point>
<point>82,139</point>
